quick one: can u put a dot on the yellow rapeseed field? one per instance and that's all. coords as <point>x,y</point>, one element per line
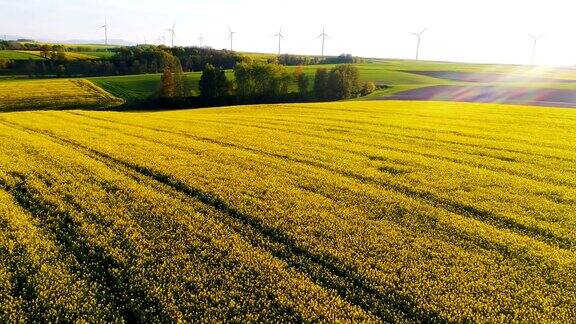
<point>350,211</point>
<point>18,95</point>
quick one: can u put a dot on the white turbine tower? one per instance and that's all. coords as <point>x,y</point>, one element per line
<point>161,40</point>
<point>105,26</point>
<point>231,37</point>
<point>535,39</point>
<point>323,36</point>
<point>419,36</point>
<point>280,38</point>
<point>201,40</point>
<point>171,30</point>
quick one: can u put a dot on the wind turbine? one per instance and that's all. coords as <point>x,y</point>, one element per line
<point>231,37</point>
<point>171,30</point>
<point>535,39</point>
<point>280,38</point>
<point>201,40</point>
<point>105,26</point>
<point>323,35</point>
<point>419,35</point>
<point>161,40</point>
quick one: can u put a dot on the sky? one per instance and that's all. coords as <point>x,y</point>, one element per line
<point>483,31</point>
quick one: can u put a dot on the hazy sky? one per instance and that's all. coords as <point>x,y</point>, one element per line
<point>457,30</point>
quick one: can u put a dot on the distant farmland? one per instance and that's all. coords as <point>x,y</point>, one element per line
<point>400,80</point>
<point>348,211</point>
<point>395,76</point>
<point>17,55</point>
<point>145,85</point>
<point>24,94</point>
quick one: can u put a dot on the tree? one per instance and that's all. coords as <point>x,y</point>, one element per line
<point>321,83</point>
<point>30,67</point>
<point>60,70</point>
<point>45,51</point>
<point>4,63</point>
<point>344,82</point>
<point>179,79</point>
<point>136,67</point>
<point>167,83</point>
<point>302,80</point>
<point>261,80</point>
<point>173,80</point>
<point>213,83</point>
<point>368,88</point>
<point>58,53</point>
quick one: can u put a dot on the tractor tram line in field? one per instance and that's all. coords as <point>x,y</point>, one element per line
<point>319,269</point>
<point>328,273</point>
<point>433,138</point>
<point>394,136</point>
<point>463,209</point>
<point>319,134</point>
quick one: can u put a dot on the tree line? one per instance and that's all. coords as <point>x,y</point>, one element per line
<point>295,60</point>
<point>138,60</point>
<point>29,45</point>
<point>126,60</point>
<point>262,82</point>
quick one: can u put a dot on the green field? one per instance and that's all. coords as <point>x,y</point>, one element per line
<point>145,85</point>
<point>99,54</point>
<point>354,211</point>
<point>96,53</point>
<point>18,55</point>
<point>389,73</point>
<point>22,94</point>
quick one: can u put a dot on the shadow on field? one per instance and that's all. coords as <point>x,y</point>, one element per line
<point>165,104</point>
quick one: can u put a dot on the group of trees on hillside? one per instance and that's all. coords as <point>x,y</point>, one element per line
<point>139,59</point>
<point>213,83</point>
<point>341,82</point>
<point>149,58</point>
<point>260,82</point>
<point>295,60</point>
<point>126,60</point>
<point>29,45</point>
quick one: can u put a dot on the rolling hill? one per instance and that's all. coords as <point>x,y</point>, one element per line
<point>22,94</point>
